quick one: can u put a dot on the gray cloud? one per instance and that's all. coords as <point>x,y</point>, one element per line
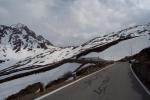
<point>71,22</point>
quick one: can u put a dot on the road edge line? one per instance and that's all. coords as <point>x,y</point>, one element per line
<point>41,97</point>
<point>144,87</point>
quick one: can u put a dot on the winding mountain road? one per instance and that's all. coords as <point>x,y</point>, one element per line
<point>115,82</point>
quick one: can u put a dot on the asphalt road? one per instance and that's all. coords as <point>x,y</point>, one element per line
<point>116,82</point>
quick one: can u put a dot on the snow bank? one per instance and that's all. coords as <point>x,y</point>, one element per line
<point>123,49</point>
<point>11,87</point>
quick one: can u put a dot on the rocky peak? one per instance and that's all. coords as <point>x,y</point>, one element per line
<point>19,37</point>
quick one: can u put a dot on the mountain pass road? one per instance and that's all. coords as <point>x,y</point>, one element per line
<point>115,82</point>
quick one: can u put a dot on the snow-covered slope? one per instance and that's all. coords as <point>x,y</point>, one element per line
<point>14,86</point>
<point>101,43</point>
<point>18,42</point>
<point>123,49</point>
<point>51,56</point>
<point>64,53</point>
<point>21,51</point>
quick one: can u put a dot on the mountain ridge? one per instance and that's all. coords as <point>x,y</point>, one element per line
<point>49,58</point>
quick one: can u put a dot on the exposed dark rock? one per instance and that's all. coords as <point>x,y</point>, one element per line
<point>20,36</point>
<point>34,88</point>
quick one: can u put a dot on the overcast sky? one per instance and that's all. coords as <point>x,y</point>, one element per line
<point>71,22</point>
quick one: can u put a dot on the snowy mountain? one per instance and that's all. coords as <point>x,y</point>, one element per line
<point>54,56</point>
<point>97,44</point>
<point>24,53</point>
<point>21,37</point>
<point>18,42</point>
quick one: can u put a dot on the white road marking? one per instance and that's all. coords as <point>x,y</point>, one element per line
<point>39,98</point>
<point>145,88</point>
